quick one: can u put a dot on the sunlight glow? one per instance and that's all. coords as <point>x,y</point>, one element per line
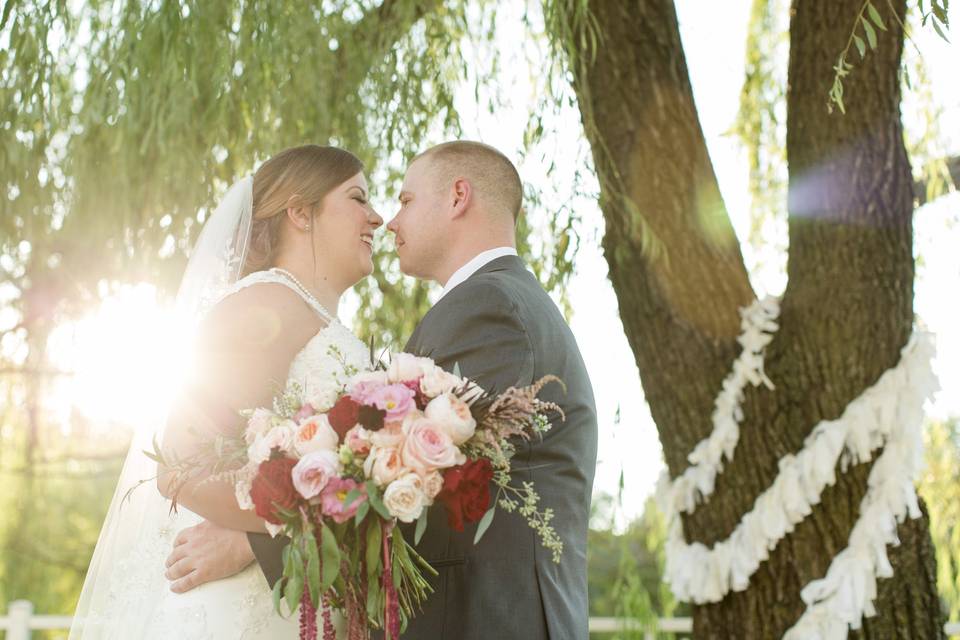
<point>127,358</point>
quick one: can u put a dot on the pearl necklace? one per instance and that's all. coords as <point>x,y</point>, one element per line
<point>306,293</point>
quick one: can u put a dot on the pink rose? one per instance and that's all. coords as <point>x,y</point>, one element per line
<point>432,484</point>
<point>437,381</point>
<point>314,471</point>
<point>358,439</point>
<point>315,433</point>
<point>334,496</point>
<point>427,447</point>
<point>396,399</point>
<point>383,465</point>
<point>454,416</point>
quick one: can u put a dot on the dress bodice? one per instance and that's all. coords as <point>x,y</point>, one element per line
<point>324,364</point>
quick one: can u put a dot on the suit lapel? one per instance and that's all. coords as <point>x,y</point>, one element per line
<point>503,263</point>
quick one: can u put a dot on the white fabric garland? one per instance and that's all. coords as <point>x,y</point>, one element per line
<point>758,323</point>
<point>888,415</point>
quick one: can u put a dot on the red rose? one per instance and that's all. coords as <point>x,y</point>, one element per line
<point>344,415</point>
<point>273,487</point>
<point>466,492</point>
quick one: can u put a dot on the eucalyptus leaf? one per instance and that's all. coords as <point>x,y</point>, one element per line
<point>484,524</point>
<point>421,526</point>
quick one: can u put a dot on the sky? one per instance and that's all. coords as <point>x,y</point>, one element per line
<point>714,36</point>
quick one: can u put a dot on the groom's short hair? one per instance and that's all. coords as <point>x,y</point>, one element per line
<point>490,172</point>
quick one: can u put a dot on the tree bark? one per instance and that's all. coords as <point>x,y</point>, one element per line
<point>845,315</point>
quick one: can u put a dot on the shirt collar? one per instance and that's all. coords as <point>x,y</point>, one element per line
<point>478,262</point>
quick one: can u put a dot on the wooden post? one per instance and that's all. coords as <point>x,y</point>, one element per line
<point>19,614</point>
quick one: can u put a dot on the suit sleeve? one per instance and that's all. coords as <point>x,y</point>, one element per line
<point>480,329</point>
<point>269,554</point>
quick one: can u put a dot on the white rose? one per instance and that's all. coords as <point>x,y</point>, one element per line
<point>259,423</point>
<point>281,437</point>
<point>404,497</point>
<point>437,382</point>
<point>404,366</point>
<point>314,434</point>
<point>453,415</point>
<point>389,436</point>
<point>383,465</point>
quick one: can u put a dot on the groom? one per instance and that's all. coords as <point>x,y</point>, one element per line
<point>456,226</point>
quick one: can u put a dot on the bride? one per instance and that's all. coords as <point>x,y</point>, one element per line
<point>264,283</point>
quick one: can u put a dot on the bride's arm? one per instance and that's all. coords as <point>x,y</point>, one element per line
<point>244,352</point>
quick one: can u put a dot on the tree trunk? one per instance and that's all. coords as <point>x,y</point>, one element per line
<point>845,315</point>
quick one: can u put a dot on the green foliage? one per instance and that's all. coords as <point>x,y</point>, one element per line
<point>868,21</point>
<point>940,489</point>
<point>56,490</point>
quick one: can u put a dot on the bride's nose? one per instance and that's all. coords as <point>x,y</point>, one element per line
<point>374,219</point>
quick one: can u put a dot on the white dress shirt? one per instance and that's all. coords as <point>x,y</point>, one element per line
<point>475,265</point>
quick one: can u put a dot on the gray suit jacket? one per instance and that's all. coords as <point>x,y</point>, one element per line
<point>502,329</point>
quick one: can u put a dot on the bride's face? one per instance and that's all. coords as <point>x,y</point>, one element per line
<point>345,225</point>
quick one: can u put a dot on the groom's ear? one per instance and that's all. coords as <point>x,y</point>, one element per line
<point>462,195</point>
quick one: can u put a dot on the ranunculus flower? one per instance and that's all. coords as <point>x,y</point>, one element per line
<point>466,492</point>
<point>358,439</point>
<point>395,399</point>
<point>259,423</point>
<point>315,434</point>
<point>437,382</point>
<point>404,497</point>
<point>334,496</point>
<point>344,415</point>
<point>281,437</point>
<point>314,470</point>
<point>383,465</point>
<point>405,366</point>
<point>454,416</point>
<point>272,487</point>
<point>428,447</point>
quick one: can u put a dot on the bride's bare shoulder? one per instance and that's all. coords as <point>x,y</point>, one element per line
<point>262,315</point>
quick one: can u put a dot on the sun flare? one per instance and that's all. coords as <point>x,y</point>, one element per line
<point>127,358</point>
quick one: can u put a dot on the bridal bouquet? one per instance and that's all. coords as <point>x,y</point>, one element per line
<point>394,442</point>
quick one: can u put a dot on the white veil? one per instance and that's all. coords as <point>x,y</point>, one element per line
<point>125,576</point>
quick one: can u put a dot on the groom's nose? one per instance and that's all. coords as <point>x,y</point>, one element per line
<point>392,225</point>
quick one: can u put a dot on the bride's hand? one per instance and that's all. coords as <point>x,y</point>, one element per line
<point>204,553</point>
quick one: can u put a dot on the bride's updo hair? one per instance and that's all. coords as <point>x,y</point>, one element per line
<point>309,172</point>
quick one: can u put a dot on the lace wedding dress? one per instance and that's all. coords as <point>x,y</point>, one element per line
<point>140,604</point>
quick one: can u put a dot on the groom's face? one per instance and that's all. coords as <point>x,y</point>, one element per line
<point>420,225</point>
